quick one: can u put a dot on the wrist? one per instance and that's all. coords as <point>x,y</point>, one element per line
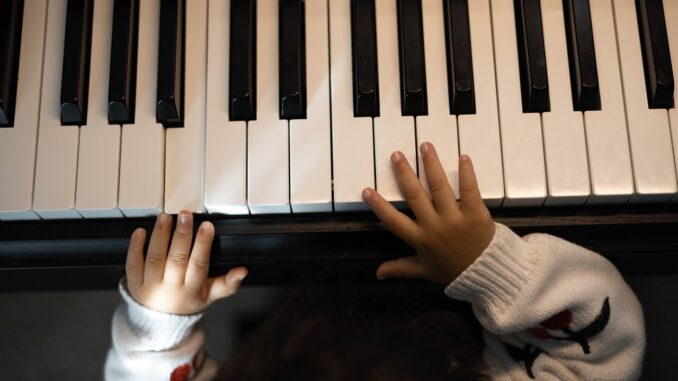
<point>478,239</point>
<point>162,326</point>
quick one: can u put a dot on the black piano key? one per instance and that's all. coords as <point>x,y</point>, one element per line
<point>582,55</point>
<point>243,61</point>
<point>656,55</point>
<point>75,70</point>
<point>532,56</point>
<point>292,60</point>
<point>364,46</point>
<point>123,69</point>
<point>413,99</point>
<point>170,105</point>
<point>11,14</point>
<point>459,58</point>
<point>413,96</point>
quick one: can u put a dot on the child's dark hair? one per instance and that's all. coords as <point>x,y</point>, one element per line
<point>341,330</point>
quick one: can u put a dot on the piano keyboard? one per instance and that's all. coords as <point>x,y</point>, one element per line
<point>125,108</point>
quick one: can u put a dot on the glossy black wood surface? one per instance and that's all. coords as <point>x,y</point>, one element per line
<point>76,254</point>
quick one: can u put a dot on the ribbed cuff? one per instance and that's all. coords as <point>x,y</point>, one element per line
<point>159,329</point>
<point>498,274</point>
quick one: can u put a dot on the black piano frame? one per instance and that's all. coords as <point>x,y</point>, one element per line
<point>90,254</point>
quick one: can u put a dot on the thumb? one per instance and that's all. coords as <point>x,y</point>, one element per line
<point>405,267</point>
<point>224,286</point>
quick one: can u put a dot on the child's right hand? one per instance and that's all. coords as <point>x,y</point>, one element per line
<point>173,277</point>
<point>448,235</point>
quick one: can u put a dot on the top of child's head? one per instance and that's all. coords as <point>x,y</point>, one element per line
<point>388,331</point>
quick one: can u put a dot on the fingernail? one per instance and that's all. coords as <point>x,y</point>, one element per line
<point>464,159</point>
<point>425,147</point>
<point>367,192</point>
<point>205,226</point>
<point>236,280</point>
<point>163,218</point>
<point>396,156</point>
<point>184,217</point>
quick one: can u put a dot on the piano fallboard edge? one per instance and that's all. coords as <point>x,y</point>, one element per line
<point>279,250</point>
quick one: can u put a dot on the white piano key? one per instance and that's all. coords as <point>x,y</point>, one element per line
<point>649,132</point>
<point>352,149</point>
<point>57,153</point>
<point>18,144</point>
<point>185,150</point>
<point>606,137</point>
<point>310,151</point>
<point>567,172</point>
<point>392,130</point>
<point>439,126</point>
<point>142,152</point>
<point>267,152</point>
<point>479,135</point>
<point>522,148</point>
<point>96,193</point>
<point>671,16</point>
<point>226,141</point>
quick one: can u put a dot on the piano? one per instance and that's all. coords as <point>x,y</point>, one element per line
<point>269,117</point>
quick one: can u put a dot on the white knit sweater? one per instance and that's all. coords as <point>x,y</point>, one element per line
<point>550,310</point>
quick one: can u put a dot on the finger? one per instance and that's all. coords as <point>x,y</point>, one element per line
<point>398,223</point>
<point>157,249</point>
<point>134,266</point>
<point>177,258</point>
<point>409,184</point>
<point>405,267</point>
<point>442,193</point>
<point>199,262</point>
<point>469,194</point>
<point>225,285</point>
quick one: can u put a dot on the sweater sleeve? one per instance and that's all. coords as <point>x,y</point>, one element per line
<point>551,309</point>
<point>150,345</point>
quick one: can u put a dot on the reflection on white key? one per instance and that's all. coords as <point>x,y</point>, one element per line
<point>310,151</point>
<point>352,152</point>
<point>99,156</point>
<point>606,137</point>
<point>563,128</point>
<point>142,155</point>
<point>56,162</point>
<point>649,135</point>
<point>439,126</point>
<point>226,141</point>
<point>18,144</point>
<point>671,16</point>
<point>479,133</point>
<point>392,130</point>
<point>522,150</point>
<point>267,155</point>
<point>184,155</point>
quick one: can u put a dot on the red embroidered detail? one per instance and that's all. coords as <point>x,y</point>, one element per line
<point>559,321</point>
<point>181,373</point>
<point>539,332</point>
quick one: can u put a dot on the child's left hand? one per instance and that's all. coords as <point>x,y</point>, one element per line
<point>177,282</point>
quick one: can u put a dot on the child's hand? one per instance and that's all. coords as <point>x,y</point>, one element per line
<point>177,283</point>
<point>448,235</point>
